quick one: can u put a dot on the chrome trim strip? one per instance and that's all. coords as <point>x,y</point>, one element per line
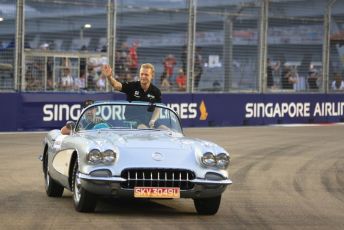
<point>119,179</point>
<point>113,179</point>
<point>202,181</point>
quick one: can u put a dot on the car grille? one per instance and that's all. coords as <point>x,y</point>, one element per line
<point>139,177</point>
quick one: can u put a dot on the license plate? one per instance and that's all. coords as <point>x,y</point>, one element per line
<point>155,192</point>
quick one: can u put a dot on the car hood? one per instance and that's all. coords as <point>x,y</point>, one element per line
<point>146,139</point>
<point>146,148</point>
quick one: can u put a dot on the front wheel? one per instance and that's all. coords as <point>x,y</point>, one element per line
<point>207,206</point>
<point>84,201</point>
<point>52,188</point>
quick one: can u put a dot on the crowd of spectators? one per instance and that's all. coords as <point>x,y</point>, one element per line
<point>48,74</point>
<point>303,76</point>
<point>177,81</point>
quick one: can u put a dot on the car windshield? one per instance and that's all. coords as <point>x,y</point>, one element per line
<point>128,116</point>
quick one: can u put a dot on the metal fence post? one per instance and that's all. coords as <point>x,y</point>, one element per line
<point>111,35</point>
<point>19,47</point>
<point>326,46</point>
<point>46,73</point>
<point>228,51</point>
<point>191,40</point>
<point>262,48</point>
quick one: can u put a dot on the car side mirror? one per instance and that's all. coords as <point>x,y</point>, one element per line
<point>151,107</point>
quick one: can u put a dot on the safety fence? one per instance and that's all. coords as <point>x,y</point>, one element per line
<point>258,46</point>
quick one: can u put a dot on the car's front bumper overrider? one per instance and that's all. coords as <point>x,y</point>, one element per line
<point>111,186</point>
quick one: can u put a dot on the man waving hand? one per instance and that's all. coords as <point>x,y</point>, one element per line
<point>142,90</point>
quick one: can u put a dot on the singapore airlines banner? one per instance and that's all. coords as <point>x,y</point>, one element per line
<point>45,111</point>
<point>258,109</point>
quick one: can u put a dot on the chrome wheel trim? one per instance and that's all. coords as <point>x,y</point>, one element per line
<point>77,188</point>
<point>47,178</point>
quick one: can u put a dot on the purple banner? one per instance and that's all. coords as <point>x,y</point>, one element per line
<point>45,111</point>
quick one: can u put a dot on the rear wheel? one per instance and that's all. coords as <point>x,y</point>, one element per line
<point>207,206</point>
<point>52,188</point>
<point>84,201</point>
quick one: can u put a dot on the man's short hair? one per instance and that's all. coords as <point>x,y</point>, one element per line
<point>148,66</point>
<point>87,103</point>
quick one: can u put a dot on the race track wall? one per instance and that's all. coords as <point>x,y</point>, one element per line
<point>45,111</point>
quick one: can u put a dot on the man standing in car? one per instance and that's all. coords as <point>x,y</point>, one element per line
<point>142,90</point>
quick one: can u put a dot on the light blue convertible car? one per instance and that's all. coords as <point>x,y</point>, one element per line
<point>133,149</point>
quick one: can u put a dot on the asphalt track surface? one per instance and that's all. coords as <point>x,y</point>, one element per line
<point>283,178</point>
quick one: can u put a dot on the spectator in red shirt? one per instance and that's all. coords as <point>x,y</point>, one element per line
<point>169,63</point>
<point>181,80</point>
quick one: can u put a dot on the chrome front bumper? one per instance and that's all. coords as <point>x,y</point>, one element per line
<point>111,186</point>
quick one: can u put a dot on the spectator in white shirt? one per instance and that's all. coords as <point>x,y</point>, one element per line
<point>80,83</point>
<point>67,81</point>
<point>338,83</point>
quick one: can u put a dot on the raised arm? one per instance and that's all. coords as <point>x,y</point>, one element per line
<point>107,72</point>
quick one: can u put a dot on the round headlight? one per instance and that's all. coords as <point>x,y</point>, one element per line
<point>208,159</point>
<point>222,160</point>
<point>109,156</point>
<point>94,156</point>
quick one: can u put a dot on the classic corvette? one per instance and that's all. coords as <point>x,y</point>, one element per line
<point>136,150</point>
